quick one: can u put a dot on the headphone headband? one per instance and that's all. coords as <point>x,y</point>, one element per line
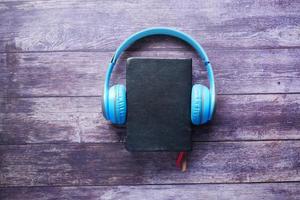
<point>161,31</point>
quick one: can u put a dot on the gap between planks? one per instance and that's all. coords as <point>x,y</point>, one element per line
<point>153,49</point>
<point>145,184</point>
<point>95,96</point>
<point>117,142</point>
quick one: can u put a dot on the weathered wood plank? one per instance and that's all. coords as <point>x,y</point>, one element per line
<point>82,73</point>
<point>262,43</point>
<point>290,191</point>
<point>79,119</point>
<point>111,164</point>
<point>81,25</point>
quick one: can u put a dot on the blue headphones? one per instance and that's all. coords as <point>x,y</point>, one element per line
<point>114,105</point>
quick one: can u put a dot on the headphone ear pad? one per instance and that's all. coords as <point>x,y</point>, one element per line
<point>117,104</point>
<point>200,104</point>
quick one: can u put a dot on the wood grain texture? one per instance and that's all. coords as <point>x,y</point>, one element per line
<point>103,25</point>
<point>82,73</point>
<point>55,144</point>
<point>282,191</point>
<point>111,164</point>
<point>79,120</point>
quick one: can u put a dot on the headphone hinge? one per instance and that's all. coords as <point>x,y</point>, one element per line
<point>206,63</point>
<point>112,59</point>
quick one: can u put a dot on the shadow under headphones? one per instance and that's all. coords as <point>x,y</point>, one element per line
<point>114,106</point>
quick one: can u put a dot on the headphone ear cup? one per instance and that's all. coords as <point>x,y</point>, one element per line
<point>200,104</point>
<point>117,104</point>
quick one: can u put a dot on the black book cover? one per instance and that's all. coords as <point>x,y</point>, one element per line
<point>158,102</point>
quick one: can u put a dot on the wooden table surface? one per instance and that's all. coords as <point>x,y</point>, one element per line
<point>55,144</point>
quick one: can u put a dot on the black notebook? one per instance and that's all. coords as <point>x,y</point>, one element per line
<point>158,102</point>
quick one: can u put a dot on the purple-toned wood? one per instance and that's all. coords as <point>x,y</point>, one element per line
<point>103,25</point>
<point>111,164</point>
<point>53,57</point>
<point>79,120</point>
<point>282,191</point>
<point>82,74</point>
